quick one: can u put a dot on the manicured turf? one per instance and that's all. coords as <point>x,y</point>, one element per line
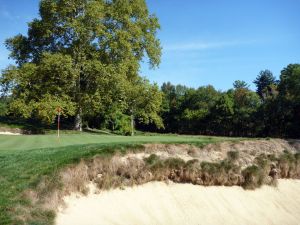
<point>24,160</point>
<point>25,142</point>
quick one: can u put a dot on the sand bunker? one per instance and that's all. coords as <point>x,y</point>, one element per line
<point>159,203</point>
<point>9,133</point>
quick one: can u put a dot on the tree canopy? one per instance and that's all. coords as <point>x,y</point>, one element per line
<point>273,110</point>
<point>82,56</point>
<point>265,82</point>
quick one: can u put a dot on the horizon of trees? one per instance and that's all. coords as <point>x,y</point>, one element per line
<point>83,56</point>
<point>272,110</point>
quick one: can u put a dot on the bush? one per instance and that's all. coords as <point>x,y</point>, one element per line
<point>3,106</point>
<point>123,124</point>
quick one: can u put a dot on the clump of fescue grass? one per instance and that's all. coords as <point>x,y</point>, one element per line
<point>253,177</point>
<point>152,159</point>
<point>233,156</point>
<point>289,165</point>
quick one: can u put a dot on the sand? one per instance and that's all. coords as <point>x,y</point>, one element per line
<point>158,203</point>
<point>9,133</point>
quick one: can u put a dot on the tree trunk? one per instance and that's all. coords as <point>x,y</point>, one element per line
<point>78,121</point>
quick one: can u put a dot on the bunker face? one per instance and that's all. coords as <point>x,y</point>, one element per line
<point>9,133</point>
<point>159,203</point>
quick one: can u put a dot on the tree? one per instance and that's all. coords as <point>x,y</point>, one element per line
<point>289,101</point>
<point>173,97</point>
<point>289,85</point>
<point>265,84</point>
<point>96,44</point>
<point>144,103</point>
<point>222,115</point>
<point>196,106</point>
<point>246,103</point>
<point>238,84</point>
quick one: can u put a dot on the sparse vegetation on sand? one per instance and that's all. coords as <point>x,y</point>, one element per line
<point>33,181</point>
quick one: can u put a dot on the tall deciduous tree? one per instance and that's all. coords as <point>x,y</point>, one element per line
<point>77,53</point>
<point>143,103</point>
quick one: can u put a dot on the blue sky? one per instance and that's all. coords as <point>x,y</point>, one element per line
<point>204,41</point>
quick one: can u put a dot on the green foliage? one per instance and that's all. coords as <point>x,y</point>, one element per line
<point>197,103</point>
<point>143,102</point>
<point>84,56</point>
<point>265,83</point>
<point>240,84</point>
<point>173,97</point>
<point>3,106</point>
<point>288,109</point>
<point>273,110</point>
<point>122,124</point>
<point>289,86</point>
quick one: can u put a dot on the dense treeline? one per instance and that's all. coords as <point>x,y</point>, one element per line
<point>273,110</point>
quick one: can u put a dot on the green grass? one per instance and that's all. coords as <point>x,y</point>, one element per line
<point>26,142</point>
<point>24,160</point>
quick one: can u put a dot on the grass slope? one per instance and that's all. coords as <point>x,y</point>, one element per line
<point>25,160</point>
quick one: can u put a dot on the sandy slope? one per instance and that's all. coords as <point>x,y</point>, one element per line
<point>8,133</point>
<point>159,203</point>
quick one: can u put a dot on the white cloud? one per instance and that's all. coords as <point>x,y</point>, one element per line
<point>200,45</point>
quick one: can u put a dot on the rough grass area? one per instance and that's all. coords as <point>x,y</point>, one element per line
<point>26,161</point>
